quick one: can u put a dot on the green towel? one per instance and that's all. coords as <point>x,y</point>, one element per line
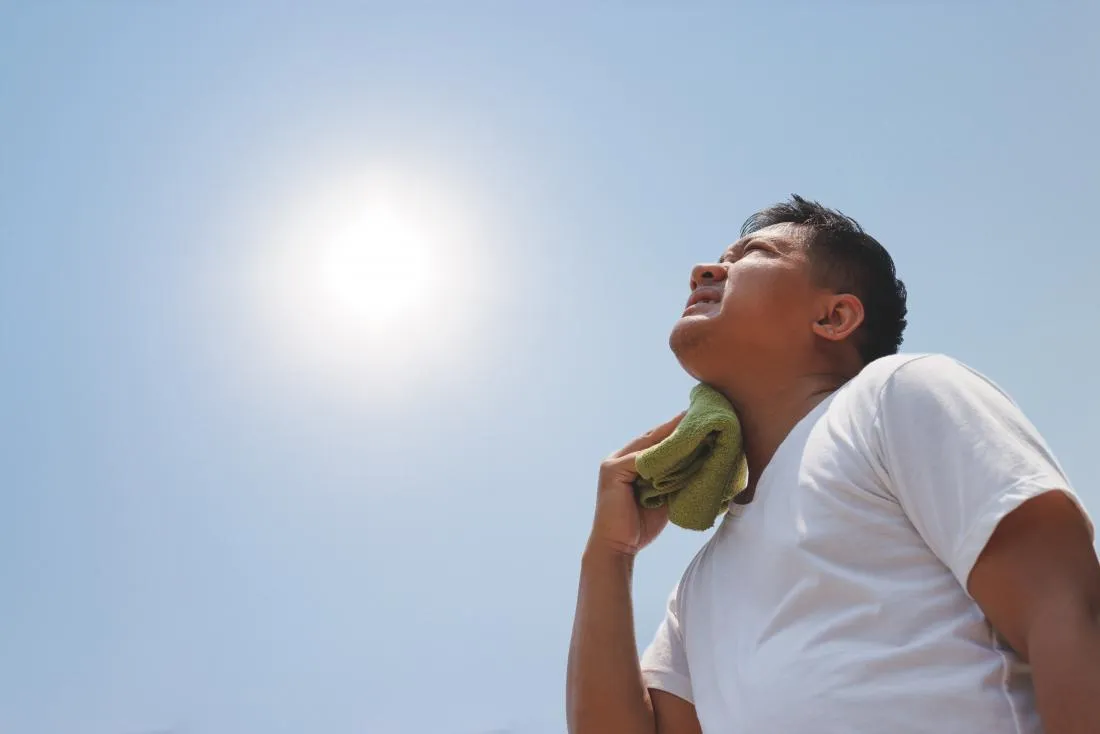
<point>700,467</point>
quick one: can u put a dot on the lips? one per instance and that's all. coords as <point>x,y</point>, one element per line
<point>705,294</point>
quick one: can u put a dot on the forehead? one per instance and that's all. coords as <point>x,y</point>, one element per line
<point>785,236</point>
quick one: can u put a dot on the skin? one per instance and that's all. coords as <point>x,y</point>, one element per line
<point>777,343</point>
<point>1038,582</point>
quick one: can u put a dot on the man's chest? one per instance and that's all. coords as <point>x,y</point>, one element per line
<point>794,604</point>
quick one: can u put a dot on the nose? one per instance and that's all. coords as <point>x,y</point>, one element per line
<point>707,275</point>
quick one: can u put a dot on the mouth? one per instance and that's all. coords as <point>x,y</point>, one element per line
<point>703,299</point>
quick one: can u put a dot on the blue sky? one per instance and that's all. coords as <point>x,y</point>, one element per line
<point>221,515</point>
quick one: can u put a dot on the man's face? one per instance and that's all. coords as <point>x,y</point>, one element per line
<point>759,299</point>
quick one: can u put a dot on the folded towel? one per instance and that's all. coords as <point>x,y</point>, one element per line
<point>700,467</point>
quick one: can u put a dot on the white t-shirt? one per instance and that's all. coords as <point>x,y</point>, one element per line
<point>836,600</point>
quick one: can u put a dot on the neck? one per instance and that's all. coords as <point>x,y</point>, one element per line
<point>770,410</point>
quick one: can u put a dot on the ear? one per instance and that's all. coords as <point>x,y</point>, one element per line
<point>840,315</point>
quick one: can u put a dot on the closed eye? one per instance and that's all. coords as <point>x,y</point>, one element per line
<point>729,257</point>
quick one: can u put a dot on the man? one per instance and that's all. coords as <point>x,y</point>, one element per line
<point>908,555</point>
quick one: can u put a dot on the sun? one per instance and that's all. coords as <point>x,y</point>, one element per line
<point>382,269</point>
<point>375,276</point>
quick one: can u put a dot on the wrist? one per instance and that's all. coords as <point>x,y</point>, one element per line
<point>605,552</point>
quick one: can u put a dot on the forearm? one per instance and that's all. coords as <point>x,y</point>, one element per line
<point>1065,662</point>
<point>604,689</point>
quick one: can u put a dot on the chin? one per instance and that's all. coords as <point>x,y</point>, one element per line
<point>688,343</point>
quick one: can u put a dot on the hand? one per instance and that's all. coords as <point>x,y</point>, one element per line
<point>621,524</point>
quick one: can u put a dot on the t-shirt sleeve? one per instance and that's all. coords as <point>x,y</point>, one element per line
<point>664,662</point>
<point>960,456</point>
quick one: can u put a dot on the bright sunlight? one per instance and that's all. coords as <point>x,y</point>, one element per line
<point>377,275</point>
<point>383,269</point>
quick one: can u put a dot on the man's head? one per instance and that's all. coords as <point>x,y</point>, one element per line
<point>804,289</point>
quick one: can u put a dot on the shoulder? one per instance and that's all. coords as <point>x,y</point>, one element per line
<point>906,378</point>
<point>907,391</point>
<point>920,366</point>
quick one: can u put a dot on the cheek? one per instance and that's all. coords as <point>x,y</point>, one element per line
<point>753,292</point>
<point>767,302</point>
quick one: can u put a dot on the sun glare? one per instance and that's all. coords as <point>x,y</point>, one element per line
<point>381,270</point>
<point>382,274</point>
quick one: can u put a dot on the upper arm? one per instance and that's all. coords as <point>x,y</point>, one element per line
<point>665,674</point>
<point>673,714</point>
<point>1038,570</point>
<point>960,457</point>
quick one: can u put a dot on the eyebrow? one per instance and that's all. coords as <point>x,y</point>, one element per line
<point>740,244</point>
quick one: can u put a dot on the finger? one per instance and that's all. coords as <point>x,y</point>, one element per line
<point>650,438</point>
<point>619,475</point>
<point>619,469</point>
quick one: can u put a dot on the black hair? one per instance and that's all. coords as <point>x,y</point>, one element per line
<point>848,260</point>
